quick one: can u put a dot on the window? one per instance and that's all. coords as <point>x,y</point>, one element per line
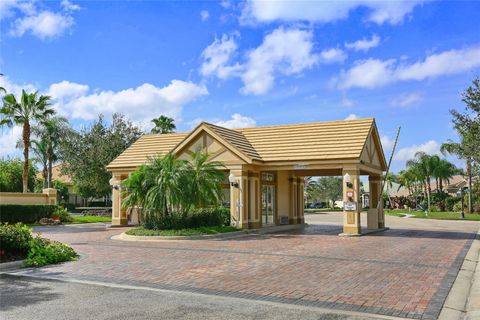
<point>268,177</point>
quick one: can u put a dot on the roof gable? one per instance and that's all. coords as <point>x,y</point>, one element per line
<point>372,153</point>
<point>234,141</point>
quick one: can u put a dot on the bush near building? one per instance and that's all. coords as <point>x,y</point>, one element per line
<point>25,213</point>
<point>17,243</point>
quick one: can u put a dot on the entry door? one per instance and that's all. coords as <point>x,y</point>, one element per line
<point>268,204</point>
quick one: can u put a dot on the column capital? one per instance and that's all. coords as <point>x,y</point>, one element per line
<point>375,177</point>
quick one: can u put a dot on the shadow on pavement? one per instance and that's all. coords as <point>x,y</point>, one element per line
<point>19,292</point>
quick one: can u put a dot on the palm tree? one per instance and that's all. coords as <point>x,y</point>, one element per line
<point>444,171</point>
<point>2,89</point>
<point>39,148</point>
<point>31,108</point>
<point>463,151</point>
<point>167,187</point>
<point>423,167</point>
<point>163,125</point>
<point>51,131</point>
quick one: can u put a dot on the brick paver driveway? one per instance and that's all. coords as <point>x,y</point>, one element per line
<point>406,271</point>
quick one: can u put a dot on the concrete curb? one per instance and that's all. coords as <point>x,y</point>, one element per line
<point>11,266</point>
<point>462,302</point>
<point>229,235</point>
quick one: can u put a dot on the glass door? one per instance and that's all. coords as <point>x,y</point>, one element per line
<point>268,204</point>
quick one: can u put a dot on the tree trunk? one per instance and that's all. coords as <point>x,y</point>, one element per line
<point>441,185</point>
<point>469,174</point>
<point>45,175</point>
<point>26,144</point>
<point>50,165</point>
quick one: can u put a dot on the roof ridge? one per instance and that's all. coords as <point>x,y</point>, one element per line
<point>305,123</point>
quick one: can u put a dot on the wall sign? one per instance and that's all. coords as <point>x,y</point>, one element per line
<point>350,206</point>
<point>349,194</point>
<point>299,166</point>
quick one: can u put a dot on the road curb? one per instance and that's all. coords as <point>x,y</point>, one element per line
<point>11,266</point>
<point>459,299</point>
<point>229,235</point>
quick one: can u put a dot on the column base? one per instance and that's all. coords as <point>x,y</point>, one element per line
<point>119,222</point>
<point>254,225</point>
<point>352,230</point>
<point>300,220</point>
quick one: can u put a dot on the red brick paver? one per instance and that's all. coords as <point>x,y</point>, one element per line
<point>399,272</point>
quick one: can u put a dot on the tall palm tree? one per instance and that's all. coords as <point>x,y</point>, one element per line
<point>2,89</point>
<point>163,125</point>
<point>443,172</point>
<point>39,148</point>
<point>463,151</point>
<point>423,167</point>
<point>30,109</point>
<point>51,131</point>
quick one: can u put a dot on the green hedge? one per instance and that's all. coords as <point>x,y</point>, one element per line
<point>206,217</point>
<point>25,213</point>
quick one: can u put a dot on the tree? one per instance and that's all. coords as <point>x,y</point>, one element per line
<point>11,172</point>
<point>50,131</point>
<point>39,148</point>
<point>467,125</point>
<point>463,151</point>
<point>423,168</point>
<point>443,172</point>
<point>86,153</point>
<point>166,187</point>
<point>163,125</point>
<point>330,188</point>
<point>2,89</point>
<point>30,109</point>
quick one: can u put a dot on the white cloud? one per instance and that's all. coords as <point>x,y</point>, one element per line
<point>8,140</point>
<point>43,24</point>
<point>284,51</point>
<point>217,56</point>
<point>139,104</point>
<point>373,73</point>
<point>332,55</point>
<point>406,99</point>
<point>352,116</point>
<point>67,89</point>
<point>237,121</point>
<point>407,153</point>
<point>387,143</point>
<point>363,44</point>
<point>69,6</point>
<point>321,11</point>
<point>204,15</point>
<point>345,102</point>
<point>367,74</point>
<point>14,88</point>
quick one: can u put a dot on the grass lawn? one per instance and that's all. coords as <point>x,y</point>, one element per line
<point>448,215</point>
<point>140,231</point>
<point>321,210</point>
<point>90,219</point>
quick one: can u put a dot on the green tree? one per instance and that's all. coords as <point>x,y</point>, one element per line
<point>167,186</point>
<point>330,188</point>
<point>11,172</point>
<point>85,154</point>
<point>30,109</point>
<point>2,89</point>
<point>50,132</point>
<point>163,125</point>
<point>423,166</point>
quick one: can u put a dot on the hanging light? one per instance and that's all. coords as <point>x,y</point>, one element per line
<point>233,180</point>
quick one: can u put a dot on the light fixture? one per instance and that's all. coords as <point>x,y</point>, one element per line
<point>233,180</point>
<point>348,180</point>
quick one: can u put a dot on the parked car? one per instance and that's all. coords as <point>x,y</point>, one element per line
<point>316,205</point>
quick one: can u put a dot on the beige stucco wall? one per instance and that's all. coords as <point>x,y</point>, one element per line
<point>49,196</point>
<point>283,194</point>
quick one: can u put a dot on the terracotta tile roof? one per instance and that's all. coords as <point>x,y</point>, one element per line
<point>343,139</point>
<point>56,175</point>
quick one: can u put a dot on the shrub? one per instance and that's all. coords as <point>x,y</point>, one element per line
<point>44,251</point>
<point>206,217</point>
<point>63,214</point>
<point>450,202</point>
<point>14,240</point>
<point>435,208</point>
<point>25,213</point>
<point>457,207</point>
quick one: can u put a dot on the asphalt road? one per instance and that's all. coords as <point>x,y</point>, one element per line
<point>30,298</point>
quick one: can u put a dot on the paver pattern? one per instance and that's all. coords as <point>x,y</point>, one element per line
<point>401,272</point>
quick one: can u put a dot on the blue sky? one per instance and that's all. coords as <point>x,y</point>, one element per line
<point>247,63</point>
